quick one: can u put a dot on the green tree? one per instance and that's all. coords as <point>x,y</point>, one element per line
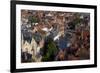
<point>51,51</point>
